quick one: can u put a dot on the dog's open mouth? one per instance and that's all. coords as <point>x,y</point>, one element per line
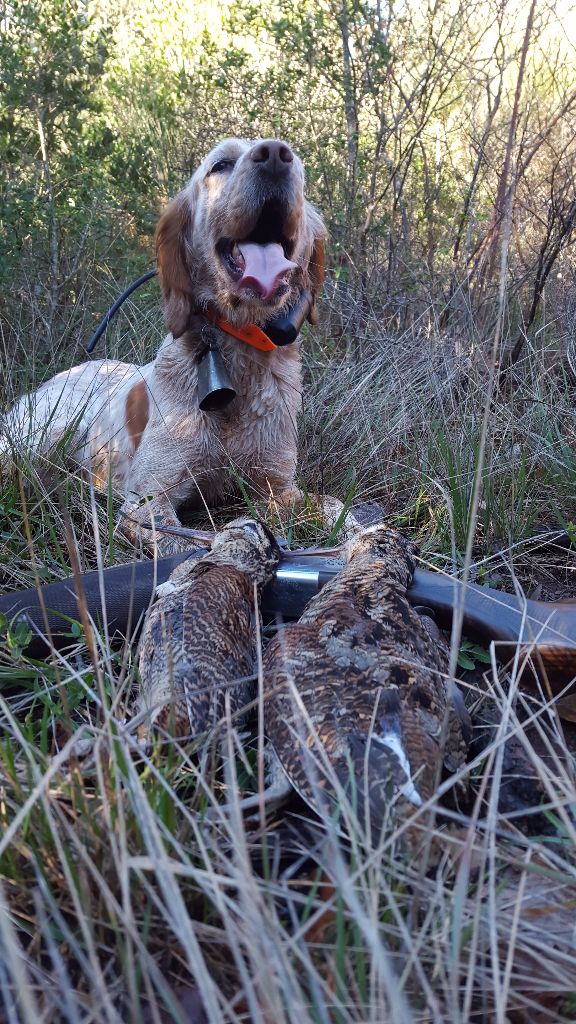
<point>259,263</point>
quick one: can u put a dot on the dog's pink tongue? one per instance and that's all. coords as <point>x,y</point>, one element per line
<point>265,266</point>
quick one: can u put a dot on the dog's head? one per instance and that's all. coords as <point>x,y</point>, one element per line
<point>240,237</point>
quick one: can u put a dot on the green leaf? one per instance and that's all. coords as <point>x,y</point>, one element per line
<point>465,662</point>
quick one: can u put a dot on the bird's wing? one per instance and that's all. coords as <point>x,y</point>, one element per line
<point>198,647</point>
<point>348,711</point>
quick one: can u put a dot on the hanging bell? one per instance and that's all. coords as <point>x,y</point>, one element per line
<point>215,391</point>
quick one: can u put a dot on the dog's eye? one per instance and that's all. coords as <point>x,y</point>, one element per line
<point>221,165</point>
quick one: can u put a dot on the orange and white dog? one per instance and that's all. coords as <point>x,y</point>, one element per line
<point>235,248</point>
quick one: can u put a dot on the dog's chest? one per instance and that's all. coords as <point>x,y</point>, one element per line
<point>268,400</point>
<point>253,433</point>
<point>264,398</point>
<point>253,421</point>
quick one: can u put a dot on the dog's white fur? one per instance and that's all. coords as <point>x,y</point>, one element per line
<point>140,428</point>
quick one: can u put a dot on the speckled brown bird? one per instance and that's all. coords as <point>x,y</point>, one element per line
<point>199,639</point>
<point>357,696</point>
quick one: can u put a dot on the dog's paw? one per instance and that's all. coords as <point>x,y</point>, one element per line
<point>349,523</point>
<point>288,499</point>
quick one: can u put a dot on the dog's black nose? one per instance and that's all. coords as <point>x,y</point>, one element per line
<point>273,156</point>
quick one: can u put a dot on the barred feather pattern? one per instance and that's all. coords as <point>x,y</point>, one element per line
<point>198,648</point>
<point>359,705</point>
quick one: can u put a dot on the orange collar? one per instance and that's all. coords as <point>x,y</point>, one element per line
<point>252,334</point>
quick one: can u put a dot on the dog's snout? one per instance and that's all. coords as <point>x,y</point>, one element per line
<point>273,156</point>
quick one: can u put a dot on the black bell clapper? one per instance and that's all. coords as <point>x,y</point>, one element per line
<point>285,328</point>
<point>215,391</point>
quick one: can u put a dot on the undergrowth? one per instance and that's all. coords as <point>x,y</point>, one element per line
<point>132,887</point>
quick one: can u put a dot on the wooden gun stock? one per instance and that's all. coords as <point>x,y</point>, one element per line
<point>545,630</point>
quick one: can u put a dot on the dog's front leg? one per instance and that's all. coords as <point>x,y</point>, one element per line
<point>163,475</point>
<point>278,481</point>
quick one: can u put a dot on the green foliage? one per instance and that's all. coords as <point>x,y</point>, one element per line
<point>51,123</point>
<point>18,636</point>
<point>117,884</point>
<point>470,654</point>
<point>67,180</point>
<point>50,56</point>
<point>104,111</point>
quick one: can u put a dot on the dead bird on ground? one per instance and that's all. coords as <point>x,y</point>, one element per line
<point>358,700</point>
<point>199,639</point>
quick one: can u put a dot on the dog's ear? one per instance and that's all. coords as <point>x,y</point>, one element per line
<point>316,274</point>
<point>316,262</point>
<point>174,227</point>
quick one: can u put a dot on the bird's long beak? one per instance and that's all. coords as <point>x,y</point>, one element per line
<point>206,537</point>
<point>295,553</point>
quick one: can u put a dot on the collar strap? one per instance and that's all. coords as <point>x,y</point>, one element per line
<point>251,335</point>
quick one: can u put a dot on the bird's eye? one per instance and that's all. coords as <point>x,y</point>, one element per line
<point>221,165</point>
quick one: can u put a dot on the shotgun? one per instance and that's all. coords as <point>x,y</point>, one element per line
<point>119,596</point>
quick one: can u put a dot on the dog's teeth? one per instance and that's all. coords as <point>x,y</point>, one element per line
<point>237,255</point>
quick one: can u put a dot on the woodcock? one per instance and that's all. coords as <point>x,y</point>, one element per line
<point>358,700</point>
<point>199,639</point>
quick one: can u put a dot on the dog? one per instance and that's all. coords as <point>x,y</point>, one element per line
<point>235,249</point>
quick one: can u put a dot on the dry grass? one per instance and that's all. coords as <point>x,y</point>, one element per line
<point>121,895</point>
